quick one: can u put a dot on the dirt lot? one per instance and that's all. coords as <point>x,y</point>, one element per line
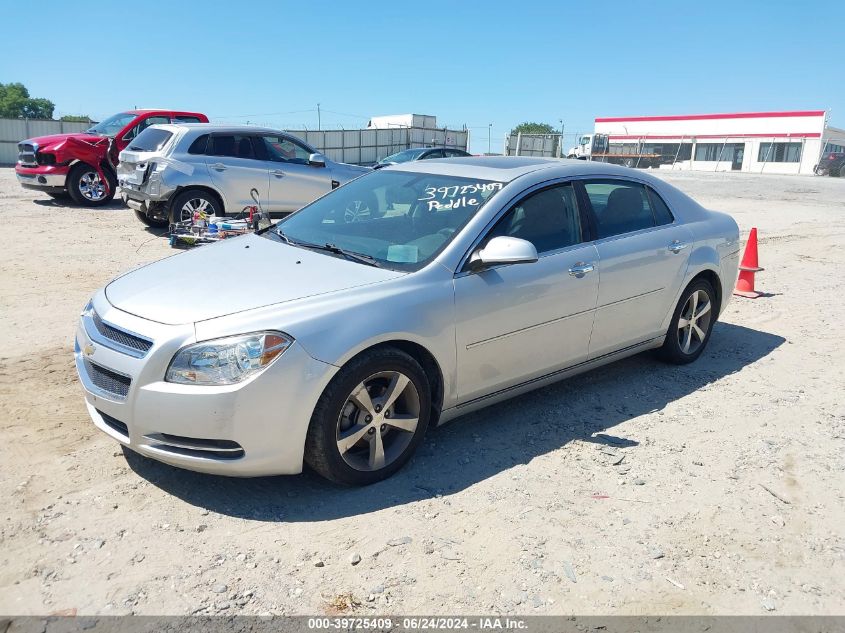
<point>728,499</point>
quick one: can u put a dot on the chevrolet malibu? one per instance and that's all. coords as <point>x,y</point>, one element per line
<point>337,344</point>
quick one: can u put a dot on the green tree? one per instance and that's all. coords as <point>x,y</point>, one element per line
<point>534,128</point>
<point>16,103</point>
<point>76,118</point>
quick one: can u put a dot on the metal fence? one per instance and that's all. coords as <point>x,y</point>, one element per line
<point>543,145</point>
<point>368,146</point>
<point>13,131</point>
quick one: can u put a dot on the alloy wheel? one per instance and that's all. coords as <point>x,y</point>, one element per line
<point>694,322</point>
<point>378,421</point>
<point>192,206</point>
<point>92,187</point>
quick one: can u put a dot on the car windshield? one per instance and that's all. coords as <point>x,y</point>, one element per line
<point>393,219</point>
<point>112,125</point>
<point>403,157</point>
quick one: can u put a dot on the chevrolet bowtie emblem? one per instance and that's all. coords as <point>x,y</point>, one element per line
<point>88,350</point>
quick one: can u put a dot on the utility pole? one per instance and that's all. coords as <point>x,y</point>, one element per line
<point>560,146</point>
<point>489,131</point>
<point>318,117</point>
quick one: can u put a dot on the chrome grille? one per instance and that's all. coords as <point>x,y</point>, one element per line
<point>107,380</point>
<point>121,337</point>
<point>26,154</point>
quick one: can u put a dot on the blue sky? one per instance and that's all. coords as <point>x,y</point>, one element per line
<point>472,63</point>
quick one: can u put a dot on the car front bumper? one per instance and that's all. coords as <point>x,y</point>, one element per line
<point>253,428</point>
<point>43,178</point>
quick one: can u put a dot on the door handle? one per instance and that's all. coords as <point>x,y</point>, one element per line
<point>677,246</point>
<point>278,173</point>
<point>581,268</point>
<point>219,166</point>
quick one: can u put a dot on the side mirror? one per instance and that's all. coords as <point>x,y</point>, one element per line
<point>503,250</point>
<point>317,160</point>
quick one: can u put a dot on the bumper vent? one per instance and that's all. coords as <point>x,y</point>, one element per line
<point>114,424</point>
<point>109,381</point>
<point>122,338</point>
<point>196,447</point>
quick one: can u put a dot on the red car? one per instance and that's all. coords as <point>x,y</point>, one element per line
<point>82,165</point>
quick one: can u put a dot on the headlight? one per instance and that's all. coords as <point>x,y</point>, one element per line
<point>226,361</point>
<point>88,310</point>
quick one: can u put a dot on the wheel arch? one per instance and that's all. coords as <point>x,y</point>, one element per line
<point>206,188</point>
<point>427,361</point>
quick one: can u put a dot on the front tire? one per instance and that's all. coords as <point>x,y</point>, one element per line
<point>151,222</point>
<point>86,188</point>
<point>370,418</point>
<point>691,324</point>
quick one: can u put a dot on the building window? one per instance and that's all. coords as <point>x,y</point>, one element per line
<point>779,153</point>
<point>713,152</point>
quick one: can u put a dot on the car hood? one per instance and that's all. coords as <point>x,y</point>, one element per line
<point>54,140</point>
<point>235,275</point>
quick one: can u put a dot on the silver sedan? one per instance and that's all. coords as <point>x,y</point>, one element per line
<point>338,343</point>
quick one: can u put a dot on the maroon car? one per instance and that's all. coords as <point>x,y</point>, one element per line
<point>82,165</point>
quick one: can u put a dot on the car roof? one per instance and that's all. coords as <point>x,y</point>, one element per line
<point>145,110</point>
<point>207,128</point>
<point>507,168</point>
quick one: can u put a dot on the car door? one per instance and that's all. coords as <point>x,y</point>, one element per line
<point>643,255</point>
<point>293,181</point>
<point>518,322</point>
<point>235,169</point>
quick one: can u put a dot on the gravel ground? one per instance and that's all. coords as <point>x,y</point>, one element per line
<point>638,488</point>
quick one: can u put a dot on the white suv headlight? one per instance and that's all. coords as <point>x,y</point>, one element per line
<point>226,361</point>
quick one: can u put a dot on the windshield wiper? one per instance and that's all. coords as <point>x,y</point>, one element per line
<point>330,248</point>
<point>351,255</point>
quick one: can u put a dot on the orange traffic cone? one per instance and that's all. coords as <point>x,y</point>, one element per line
<point>747,268</point>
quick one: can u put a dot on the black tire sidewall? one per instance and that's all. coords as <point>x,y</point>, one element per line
<point>182,197</point>
<point>321,451</point>
<point>149,221</point>
<point>72,186</point>
<point>671,350</point>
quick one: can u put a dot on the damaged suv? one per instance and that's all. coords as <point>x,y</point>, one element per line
<point>172,171</point>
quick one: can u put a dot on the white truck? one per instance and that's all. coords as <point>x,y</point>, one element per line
<point>597,147</point>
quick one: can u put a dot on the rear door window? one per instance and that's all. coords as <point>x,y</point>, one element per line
<point>186,119</point>
<point>619,206</point>
<point>435,154</point>
<point>232,145</point>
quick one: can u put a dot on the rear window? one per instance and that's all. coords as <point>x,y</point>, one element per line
<point>150,140</point>
<point>186,119</point>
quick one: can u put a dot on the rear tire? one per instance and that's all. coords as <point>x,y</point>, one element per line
<point>86,188</point>
<point>359,434</point>
<point>691,324</point>
<point>190,200</point>
<point>842,171</point>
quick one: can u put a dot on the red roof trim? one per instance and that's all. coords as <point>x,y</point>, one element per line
<point>699,117</point>
<point>634,137</point>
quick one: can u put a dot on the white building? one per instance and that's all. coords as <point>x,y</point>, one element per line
<point>759,142</point>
